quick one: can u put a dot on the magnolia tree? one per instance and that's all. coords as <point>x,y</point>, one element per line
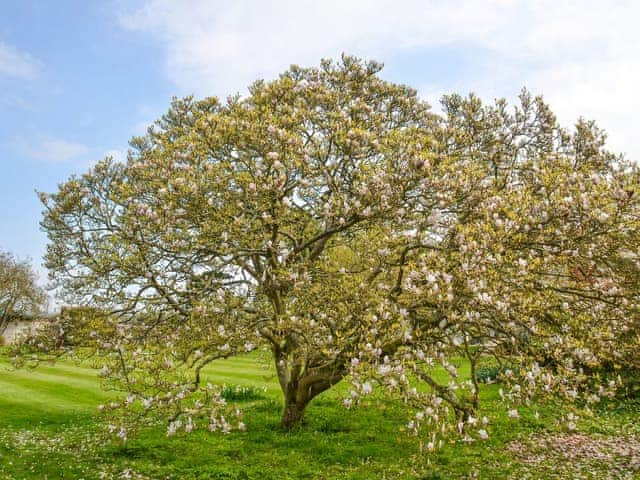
<point>330,217</point>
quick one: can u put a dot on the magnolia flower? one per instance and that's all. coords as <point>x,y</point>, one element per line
<point>366,388</point>
<point>484,297</point>
<point>513,413</point>
<point>173,428</point>
<point>482,434</point>
<point>602,217</point>
<point>189,426</point>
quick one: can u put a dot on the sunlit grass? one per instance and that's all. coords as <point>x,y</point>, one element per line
<point>48,430</point>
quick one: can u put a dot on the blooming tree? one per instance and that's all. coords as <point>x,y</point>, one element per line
<point>526,251</point>
<point>330,217</point>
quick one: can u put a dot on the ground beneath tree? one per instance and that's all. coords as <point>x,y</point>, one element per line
<point>579,456</point>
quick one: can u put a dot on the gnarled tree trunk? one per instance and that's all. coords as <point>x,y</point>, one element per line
<point>295,402</point>
<point>300,384</point>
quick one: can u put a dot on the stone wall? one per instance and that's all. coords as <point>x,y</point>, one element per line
<point>18,328</point>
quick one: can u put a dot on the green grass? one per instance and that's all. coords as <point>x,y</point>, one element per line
<point>48,429</point>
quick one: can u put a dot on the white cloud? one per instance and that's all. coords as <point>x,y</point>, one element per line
<point>14,63</point>
<point>56,150</point>
<point>583,56</point>
<point>222,46</point>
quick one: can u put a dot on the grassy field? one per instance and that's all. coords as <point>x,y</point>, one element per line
<point>48,430</point>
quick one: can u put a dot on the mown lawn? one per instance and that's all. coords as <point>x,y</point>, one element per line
<point>48,430</point>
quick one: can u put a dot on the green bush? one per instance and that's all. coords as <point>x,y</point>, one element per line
<point>240,393</point>
<point>487,374</point>
<point>491,372</point>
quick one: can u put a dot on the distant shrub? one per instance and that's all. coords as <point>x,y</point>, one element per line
<point>630,383</point>
<point>487,374</point>
<point>490,373</point>
<point>241,393</point>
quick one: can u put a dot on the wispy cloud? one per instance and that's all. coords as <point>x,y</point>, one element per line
<point>219,47</point>
<point>583,56</point>
<point>17,64</point>
<point>54,150</point>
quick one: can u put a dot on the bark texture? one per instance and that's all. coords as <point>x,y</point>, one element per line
<point>300,384</point>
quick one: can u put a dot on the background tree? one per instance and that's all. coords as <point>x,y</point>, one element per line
<point>330,217</point>
<point>20,296</point>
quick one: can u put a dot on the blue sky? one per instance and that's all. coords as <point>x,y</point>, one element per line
<point>79,78</point>
<point>85,87</point>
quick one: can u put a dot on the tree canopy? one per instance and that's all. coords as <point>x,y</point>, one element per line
<point>20,295</point>
<point>331,217</point>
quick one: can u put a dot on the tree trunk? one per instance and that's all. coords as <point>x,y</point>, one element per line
<point>301,383</point>
<point>298,393</point>
<point>292,416</point>
<point>295,402</point>
<point>4,323</point>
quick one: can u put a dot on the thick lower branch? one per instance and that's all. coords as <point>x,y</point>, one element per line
<point>462,408</point>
